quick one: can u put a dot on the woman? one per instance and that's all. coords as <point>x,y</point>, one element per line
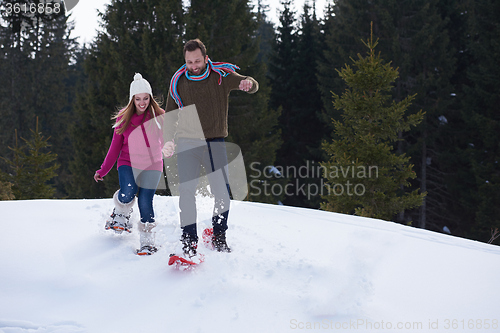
<point>138,174</point>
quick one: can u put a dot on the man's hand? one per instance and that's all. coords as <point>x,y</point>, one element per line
<point>168,149</point>
<point>246,85</point>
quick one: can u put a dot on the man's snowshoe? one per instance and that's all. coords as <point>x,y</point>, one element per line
<point>215,242</point>
<point>190,257</point>
<point>181,260</point>
<point>219,243</point>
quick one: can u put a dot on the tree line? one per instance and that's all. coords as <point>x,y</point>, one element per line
<point>444,52</point>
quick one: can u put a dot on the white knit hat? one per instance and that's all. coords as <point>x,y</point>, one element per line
<point>139,86</point>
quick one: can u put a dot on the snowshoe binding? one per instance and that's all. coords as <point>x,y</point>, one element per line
<point>190,257</point>
<point>146,250</point>
<point>216,242</point>
<point>119,221</point>
<point>147,238</point>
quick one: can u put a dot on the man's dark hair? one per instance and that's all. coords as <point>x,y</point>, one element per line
<point>194,44</point>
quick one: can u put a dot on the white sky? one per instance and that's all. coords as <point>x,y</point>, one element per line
<point>87,21</point>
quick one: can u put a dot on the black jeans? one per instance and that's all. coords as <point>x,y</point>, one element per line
<point>193,154</point>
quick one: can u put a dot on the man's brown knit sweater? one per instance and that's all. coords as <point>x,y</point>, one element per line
<point>211,101</point>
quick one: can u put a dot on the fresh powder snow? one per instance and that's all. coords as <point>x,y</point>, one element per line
<point>290,270</point>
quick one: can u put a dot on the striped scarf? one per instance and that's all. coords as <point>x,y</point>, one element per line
<point>221,68</point>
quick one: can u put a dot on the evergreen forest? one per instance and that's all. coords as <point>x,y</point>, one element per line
<point>406,89</point>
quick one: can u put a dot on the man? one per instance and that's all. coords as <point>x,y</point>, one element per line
<point>206,85</point>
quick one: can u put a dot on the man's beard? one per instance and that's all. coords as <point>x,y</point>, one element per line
<point>202,70</point>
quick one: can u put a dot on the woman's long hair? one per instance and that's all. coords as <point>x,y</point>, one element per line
<point>124,115</point>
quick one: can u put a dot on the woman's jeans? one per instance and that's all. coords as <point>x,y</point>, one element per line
<point>142,183</point>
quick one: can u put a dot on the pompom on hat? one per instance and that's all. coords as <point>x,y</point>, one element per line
<point>139,86</point>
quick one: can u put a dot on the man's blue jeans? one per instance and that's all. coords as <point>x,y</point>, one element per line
<point>144,184</point>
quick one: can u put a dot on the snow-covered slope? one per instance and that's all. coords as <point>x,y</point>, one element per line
<point>291,270</point>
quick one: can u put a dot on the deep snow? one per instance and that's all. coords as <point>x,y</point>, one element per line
<point>291,270</point>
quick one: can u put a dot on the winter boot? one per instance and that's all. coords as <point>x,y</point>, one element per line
<point>119,220</point>
<point>219,242</point>
<point>189,246</point>
<point>147,238</point>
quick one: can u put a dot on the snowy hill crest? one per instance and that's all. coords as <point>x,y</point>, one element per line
<point>291,270</point>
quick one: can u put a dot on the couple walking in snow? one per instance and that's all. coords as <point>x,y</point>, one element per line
<point>206,86</point>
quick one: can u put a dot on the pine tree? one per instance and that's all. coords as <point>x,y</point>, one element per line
<point>265,33</point>
<point>364,175</point>
<point>15,70</point>
<point>426,62</point>
<point>344,26</point>
<point>36,56</point>
<point>480,113</point>
<point>459,208</point>
<point>415,36</point>
<point>306,124</point>
<point>282,61</point>
<point>6,191</point>
<point>53,91</point>
<point>32,167</point>
<point>281,66</point>
<point>293,76</point>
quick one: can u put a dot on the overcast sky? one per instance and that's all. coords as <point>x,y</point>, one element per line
<point>87,21</point>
